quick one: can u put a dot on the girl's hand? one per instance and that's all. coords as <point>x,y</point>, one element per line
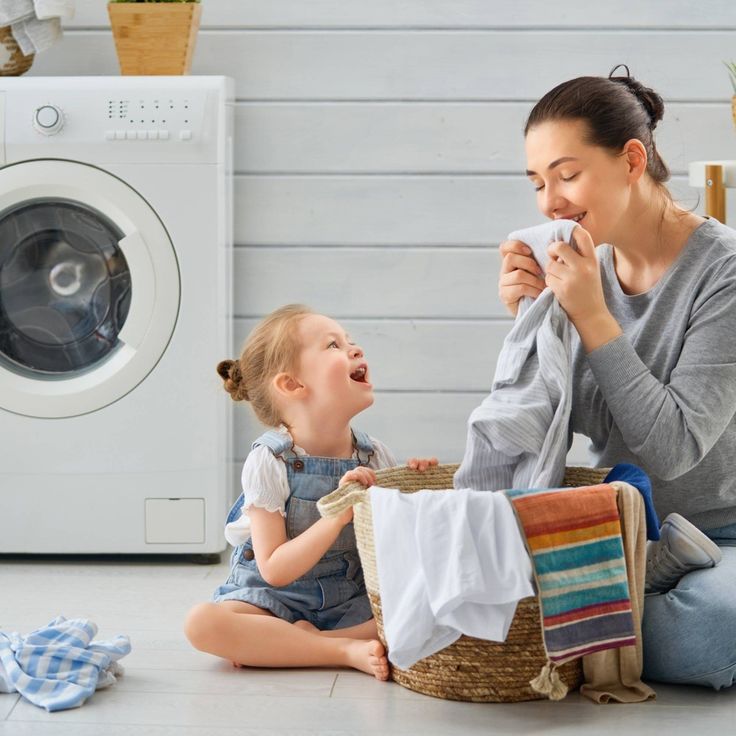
<point>421,463</point>
<point>364,476</point>
<point>520,274</point>
<point>575,278</point>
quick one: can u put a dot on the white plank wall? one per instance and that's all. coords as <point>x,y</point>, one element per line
<point>379,161</point>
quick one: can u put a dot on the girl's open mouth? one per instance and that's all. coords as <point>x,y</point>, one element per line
<point>360,374</point>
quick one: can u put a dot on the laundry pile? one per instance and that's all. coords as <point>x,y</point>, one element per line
<point>59,666</point>
<point>35,24</point>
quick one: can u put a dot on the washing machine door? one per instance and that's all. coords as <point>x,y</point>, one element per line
<point>89,288</point>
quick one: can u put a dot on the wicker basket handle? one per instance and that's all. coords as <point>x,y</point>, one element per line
<point>343,498</point>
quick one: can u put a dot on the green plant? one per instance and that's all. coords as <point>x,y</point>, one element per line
<point>731,66</point>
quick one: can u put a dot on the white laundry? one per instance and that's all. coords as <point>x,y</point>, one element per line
<point>449,563</point>
<point>518,436</point>
<point>35,24</point>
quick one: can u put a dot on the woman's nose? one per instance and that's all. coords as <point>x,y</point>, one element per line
<point>552,202</point>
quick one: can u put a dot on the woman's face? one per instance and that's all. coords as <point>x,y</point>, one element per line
<point>577,181</point>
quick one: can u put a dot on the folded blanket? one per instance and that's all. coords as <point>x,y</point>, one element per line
<point>574,538</point>
<point>59,666</point>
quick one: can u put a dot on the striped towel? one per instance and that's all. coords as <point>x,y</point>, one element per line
<point>59,666</point>
<point>574,539</point>
<point>518,436</point>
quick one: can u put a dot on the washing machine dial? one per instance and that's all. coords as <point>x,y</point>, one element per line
<point>48,119</point>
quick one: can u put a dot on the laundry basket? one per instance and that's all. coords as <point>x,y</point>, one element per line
<point>470,669</point>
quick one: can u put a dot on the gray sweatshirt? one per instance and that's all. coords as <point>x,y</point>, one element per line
<point>663,394</point>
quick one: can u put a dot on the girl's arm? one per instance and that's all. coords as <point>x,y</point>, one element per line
<point>282,560</point>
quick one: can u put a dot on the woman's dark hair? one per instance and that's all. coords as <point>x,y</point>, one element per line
<point>615,109</point>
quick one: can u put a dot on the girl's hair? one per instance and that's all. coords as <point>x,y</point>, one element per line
<point>616,109</point>
<point>271,348</point>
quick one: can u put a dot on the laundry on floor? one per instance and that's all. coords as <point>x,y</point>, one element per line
<point>59,666</point>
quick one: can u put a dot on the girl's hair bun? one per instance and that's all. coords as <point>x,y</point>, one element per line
<point>652,102</point>
<point>232,377</point>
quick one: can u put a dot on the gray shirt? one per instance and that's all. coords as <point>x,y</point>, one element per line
<point>663,394</point>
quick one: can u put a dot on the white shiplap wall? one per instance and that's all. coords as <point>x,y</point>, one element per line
<point>379,155</point>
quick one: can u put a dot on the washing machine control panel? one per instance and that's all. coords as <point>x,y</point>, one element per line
<point>148,121</point>
<point>48,119</point>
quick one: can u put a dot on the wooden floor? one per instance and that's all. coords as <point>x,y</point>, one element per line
<point>170,689</point>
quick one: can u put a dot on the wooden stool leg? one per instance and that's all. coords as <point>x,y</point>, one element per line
<point>715,193</point>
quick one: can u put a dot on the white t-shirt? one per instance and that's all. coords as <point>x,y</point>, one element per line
<point>265,484</point>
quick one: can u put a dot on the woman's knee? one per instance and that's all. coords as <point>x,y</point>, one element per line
<point>686,633</point>
<point>200,623</point>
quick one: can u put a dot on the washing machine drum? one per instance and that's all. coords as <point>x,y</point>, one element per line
<point>64,287</point>
<point>89,289</point>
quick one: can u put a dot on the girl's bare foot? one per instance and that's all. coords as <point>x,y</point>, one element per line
<point>368,656</point>
<point>306,626</point>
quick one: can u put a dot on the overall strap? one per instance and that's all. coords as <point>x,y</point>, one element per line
<point>364,446</point>
<point>277,442</point>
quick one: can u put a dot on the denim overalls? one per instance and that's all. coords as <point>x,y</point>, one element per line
<point>332,594</point>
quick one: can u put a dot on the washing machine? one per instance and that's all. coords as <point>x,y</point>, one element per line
<point>115,307</point>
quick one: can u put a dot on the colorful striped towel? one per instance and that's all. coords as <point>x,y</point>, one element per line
<point>573,536</point>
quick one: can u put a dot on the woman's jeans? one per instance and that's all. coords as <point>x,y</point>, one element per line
<point>689,633</point>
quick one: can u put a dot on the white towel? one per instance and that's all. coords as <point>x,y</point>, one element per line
<point>448,564</point>
<point>35,24</point>
<point>518,437</point>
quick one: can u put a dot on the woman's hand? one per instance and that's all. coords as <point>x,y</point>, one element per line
<point>421,463</point>
<point>520,274</point>
<point>575,279</point>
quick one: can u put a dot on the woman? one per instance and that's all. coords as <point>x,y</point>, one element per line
<point>654,371</point>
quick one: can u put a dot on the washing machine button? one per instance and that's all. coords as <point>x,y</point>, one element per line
<point>130,135</point>
<point>152,135</point>
<point>163,135</point>
<point>185,135</point>
<point>120,135</point>
<point>142,135</point>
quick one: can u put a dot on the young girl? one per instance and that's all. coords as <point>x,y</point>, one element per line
<point>654,370</point>
<point>295,596</point>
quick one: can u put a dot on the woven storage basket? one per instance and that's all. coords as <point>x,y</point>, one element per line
<point>470,669</point>
<point>15,62</point>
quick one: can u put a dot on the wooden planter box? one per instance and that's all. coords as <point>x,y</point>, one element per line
<point>154,38</point>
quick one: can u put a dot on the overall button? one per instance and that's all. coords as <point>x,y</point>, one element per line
<point>298,465</point>
<point>249,554</point>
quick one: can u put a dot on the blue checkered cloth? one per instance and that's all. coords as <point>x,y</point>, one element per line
<point>59,666</point>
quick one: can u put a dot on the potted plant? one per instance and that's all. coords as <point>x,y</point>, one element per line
<point>154,36</point>
<point>731,66</point>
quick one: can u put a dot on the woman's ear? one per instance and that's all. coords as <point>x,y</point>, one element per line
<point>286,386</point>
<point>636,158</point>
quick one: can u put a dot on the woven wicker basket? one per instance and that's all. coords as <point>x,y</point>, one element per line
<point>470,669</point>
<point>16,63</point>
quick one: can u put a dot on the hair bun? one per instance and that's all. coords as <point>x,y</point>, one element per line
<point>652,102</point>
<point>232,377</point>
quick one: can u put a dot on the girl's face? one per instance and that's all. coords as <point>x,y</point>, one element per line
<point>577,181</point>
<point>331,367</point>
